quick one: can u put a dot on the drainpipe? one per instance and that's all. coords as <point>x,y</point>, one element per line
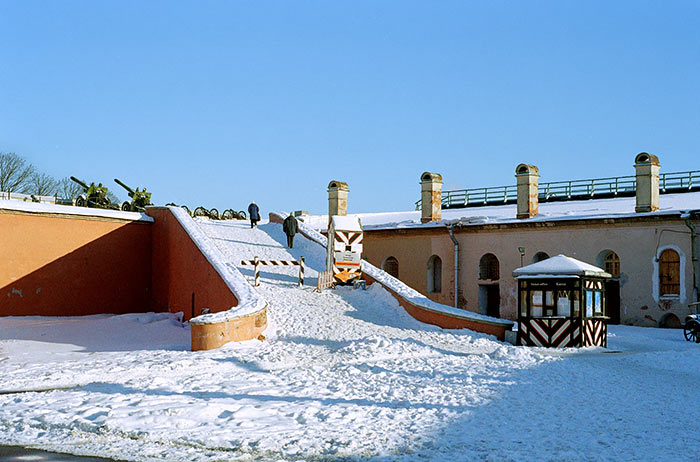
<point>450,228</point>
<point>694,251</point>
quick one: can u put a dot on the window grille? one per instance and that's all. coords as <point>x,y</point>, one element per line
<point>391,266</point>
<point>612,264</point>
<point>489,267</point>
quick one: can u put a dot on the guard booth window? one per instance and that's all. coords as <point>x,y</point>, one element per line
<point>563,303</point>
<point>594,303</point>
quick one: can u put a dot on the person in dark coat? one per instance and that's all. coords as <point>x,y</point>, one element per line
<point>290,227</point>
<point>253,214</point>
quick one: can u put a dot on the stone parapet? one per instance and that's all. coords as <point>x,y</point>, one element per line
<point>209,336</point>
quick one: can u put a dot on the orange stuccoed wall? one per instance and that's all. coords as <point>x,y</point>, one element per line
<point>183,279</point>
<point>69,265</point>
<point>61,264</point>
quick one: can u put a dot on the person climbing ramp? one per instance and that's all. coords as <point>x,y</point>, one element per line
<point>254,214</point>
<point>290,227</point>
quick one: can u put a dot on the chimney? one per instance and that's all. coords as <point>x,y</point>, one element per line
<point>430,197</point>
<point>528,190</point>
<point>647,167</point>
<point>337,199</point>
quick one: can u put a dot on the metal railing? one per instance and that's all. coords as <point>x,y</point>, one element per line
<point>568,190</point>
<point>26,197</point>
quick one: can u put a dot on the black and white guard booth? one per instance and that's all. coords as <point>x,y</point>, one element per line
<point>561,303</point>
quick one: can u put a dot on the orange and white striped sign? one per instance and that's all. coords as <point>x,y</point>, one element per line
<point>345,249</point>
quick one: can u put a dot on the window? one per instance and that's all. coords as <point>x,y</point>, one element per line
<point>563,303</point>
<point>539,256</point>
<point>536,303</point>
<point>594,303</point>
<point>434,274</point>
<point>669,273</point>
<point>488,267</point>
<point>548,303</point>
<point>391,266</point>
<point>612,264</point>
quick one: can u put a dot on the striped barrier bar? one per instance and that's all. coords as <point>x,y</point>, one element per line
<point>256,262</point>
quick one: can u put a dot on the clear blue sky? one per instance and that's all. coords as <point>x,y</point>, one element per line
<point>220,103</point>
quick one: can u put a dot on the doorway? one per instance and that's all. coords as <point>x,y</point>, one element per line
<point>612,296</point>
<point>490,300</point>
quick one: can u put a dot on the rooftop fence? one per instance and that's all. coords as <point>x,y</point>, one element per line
<point>599,188</point>
<point>34,198</point>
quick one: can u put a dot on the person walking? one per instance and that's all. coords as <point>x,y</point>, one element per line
<point>254,214</point>
<point>290,227</point>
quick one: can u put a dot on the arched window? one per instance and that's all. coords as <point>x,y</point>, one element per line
<point>612,264</point>
<point>539,256</point>
<point>488,267</point>
<point>391,266</point>
<point>669,273</point>
<point>434,275</point>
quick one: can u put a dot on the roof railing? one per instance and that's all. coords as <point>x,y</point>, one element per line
<point>598,188</point>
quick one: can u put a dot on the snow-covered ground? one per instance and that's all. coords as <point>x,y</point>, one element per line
<point>344,374</point>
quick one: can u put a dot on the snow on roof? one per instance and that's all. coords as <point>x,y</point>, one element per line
<point>346,223</point>
<point>42,207</point>
<point>559,266</point>
<point>621,207</point>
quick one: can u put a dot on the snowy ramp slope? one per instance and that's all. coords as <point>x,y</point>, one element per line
<point>297,311</point>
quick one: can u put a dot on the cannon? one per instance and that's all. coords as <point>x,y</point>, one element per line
<point>691,327</point>
<point>230,214</point>
<point>173,204</point>
<point>139,199</point>
<point>212,214</point>
<point>93,196</point>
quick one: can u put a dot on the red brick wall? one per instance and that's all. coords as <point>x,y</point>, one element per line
<point>443,320</point>
<point>69,265</point>
<point>183,279</point>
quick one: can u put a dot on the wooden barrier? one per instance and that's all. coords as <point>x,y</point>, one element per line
<point>256,262</point>
<point>325,280</point>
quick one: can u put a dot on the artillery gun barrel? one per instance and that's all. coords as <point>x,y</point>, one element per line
<point>129,190</point>
<point>79,182</point>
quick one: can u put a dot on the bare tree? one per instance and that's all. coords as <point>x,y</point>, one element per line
<point>15,173</point>
<point>68,189</point>
<point>41,184</point>
<point>113,198</point>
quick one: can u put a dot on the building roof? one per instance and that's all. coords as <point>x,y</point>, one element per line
<point>616,208</point>
<point>346,223</point>
<point>559,266</point>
